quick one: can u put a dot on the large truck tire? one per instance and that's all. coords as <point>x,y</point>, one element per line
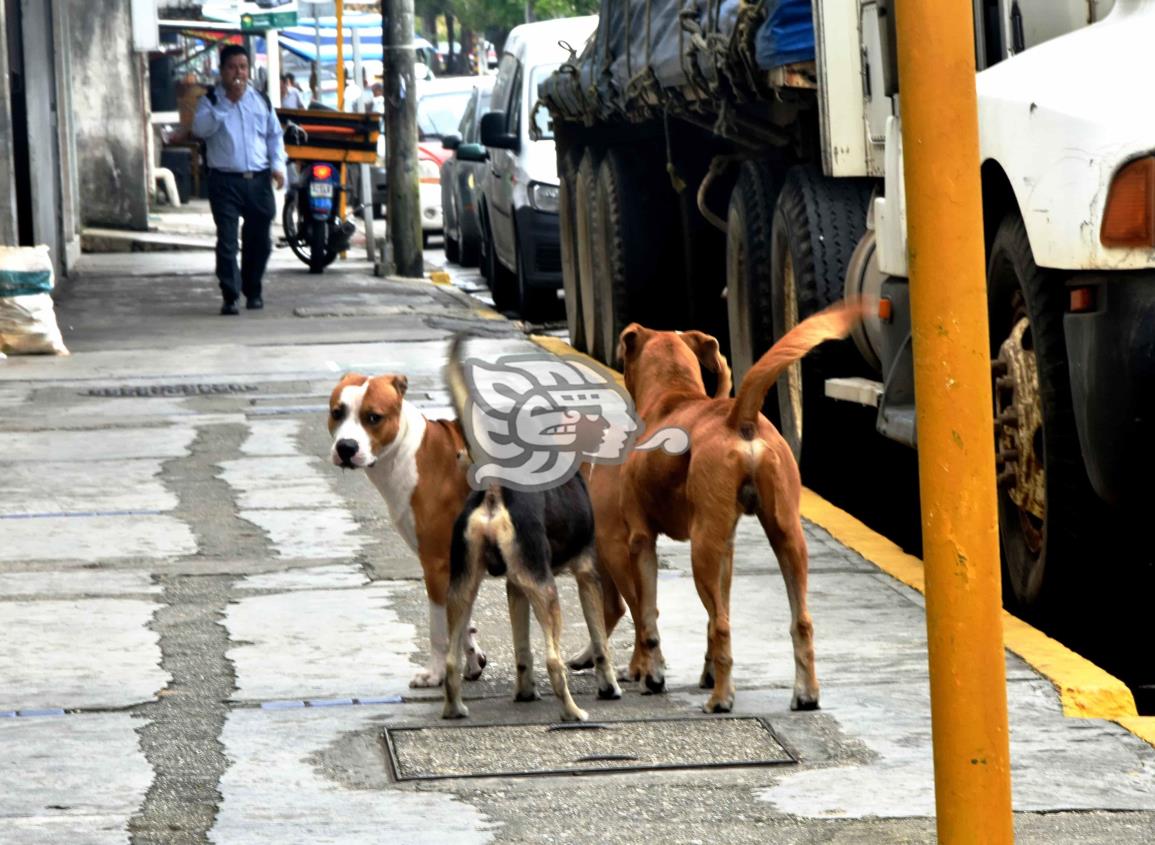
<point>585,207</point>
<point>1045,499</point>
<point>634,269</point>
<point>748,262</point>
<point>818,222</point>
<point>568,165</point>
<point>615,236</point>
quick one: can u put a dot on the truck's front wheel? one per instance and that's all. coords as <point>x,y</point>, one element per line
<point>1044,496</point>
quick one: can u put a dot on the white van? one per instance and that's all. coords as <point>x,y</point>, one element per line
<point>521,240</point>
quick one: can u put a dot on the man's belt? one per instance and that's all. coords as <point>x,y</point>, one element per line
<point>242,174</point>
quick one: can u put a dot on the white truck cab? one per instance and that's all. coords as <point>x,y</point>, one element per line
<point>733,167</point>
<point>1068,175</point>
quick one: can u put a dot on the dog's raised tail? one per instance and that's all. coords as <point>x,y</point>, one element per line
<point>455,379</point>
<point>833,323</point>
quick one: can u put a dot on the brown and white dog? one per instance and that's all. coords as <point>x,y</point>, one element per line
<point>414,462</point>
<point>738,464</point>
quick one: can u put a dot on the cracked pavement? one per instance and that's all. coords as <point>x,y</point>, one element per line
<point>208,627</point>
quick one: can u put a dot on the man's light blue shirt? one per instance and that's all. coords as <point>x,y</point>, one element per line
<point>240,136</point>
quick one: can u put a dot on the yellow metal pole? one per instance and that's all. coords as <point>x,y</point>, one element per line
<point>340,55</point>
<point>955,430</point>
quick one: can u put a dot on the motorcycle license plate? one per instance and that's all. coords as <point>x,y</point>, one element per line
<point>321,189</point>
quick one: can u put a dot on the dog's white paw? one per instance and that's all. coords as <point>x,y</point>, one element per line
<point>576,715</point>
<point>454,710</point>
<point>428,678</point>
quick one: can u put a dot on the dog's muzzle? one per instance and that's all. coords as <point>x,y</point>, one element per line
<point>346,451</point>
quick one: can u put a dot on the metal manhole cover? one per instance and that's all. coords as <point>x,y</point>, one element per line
<point>171,390</point>
<point>526,750</point>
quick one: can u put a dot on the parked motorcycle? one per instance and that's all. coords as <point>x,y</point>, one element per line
<point>312,219</point>
<point>317,141</point>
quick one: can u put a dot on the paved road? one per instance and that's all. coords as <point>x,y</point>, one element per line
<point>207,627</point>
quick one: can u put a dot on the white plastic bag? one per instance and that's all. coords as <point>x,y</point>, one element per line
<point>27,315</point>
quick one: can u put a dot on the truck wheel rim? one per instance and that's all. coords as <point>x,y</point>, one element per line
<point>1019,432</point>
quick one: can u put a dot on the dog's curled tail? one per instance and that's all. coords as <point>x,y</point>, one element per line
<point>455,379</point>
<point>833,323</point>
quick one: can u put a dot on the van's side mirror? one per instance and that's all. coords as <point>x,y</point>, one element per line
<point>472,152</point>
<point>493,132</point>
<point>451,142</point>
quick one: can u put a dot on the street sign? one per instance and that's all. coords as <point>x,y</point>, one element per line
<point>268,14</point>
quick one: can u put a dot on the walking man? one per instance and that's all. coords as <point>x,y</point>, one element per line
<point>245,155</point>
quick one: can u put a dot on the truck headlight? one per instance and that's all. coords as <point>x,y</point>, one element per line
<point>543,197</point>
<point>1129,218</point>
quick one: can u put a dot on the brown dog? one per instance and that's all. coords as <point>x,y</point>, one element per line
<point>738,464</point>
<point>415,464</point>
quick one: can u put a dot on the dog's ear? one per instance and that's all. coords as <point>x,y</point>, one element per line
<point>400,384</point>
<point>347,380</point>
<point>710,357</point>
<point>629,342</point>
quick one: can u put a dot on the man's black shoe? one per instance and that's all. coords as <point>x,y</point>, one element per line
<point>254,303</point>
<point>230,308</point>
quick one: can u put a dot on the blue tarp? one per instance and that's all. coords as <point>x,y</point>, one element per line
<point>302,39</point>
<point>787,34</point>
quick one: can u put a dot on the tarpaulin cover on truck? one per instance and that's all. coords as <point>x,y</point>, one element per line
<point>679,55</point>
<point>787,36</point>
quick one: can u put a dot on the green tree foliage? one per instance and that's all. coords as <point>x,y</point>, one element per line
<point>503,15</point>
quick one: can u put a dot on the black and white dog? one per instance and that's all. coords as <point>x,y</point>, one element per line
<point>527,537</point>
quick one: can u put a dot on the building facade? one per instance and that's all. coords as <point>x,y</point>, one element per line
<point>73,123</point>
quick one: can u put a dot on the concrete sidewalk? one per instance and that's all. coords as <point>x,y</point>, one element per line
<point>209,630</point>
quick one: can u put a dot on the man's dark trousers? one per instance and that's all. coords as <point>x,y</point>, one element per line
<point>247,195</point>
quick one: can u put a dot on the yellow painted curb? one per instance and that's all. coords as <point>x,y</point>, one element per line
<point>560,347</point>
<point>486,313</point>
<point>1142,726</point>
<point>439,277</point>
<point>1085,690</point>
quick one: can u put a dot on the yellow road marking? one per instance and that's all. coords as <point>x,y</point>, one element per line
<point>1084,689</point>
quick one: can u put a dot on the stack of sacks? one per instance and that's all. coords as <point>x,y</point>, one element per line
<point>27,317</point>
